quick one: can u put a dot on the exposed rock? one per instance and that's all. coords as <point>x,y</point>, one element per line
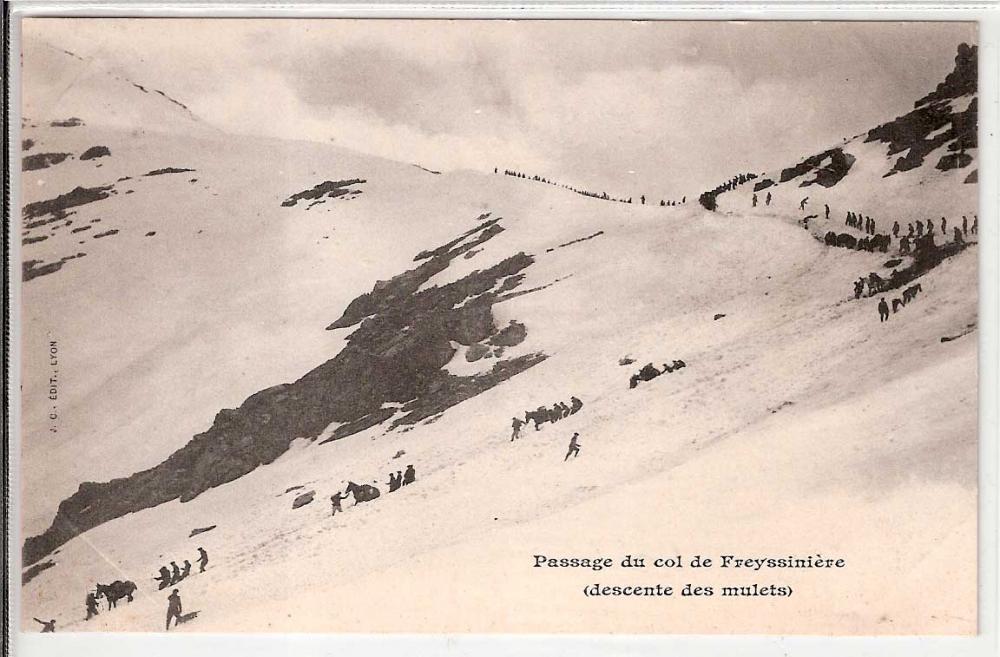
<point>79,196</point>
<point>31,269</point>
<point>828,167</point>
<point>326,189</point>
<point>303,499</point>
<point>381,366</point>
<point>160,172</point>
<point>42,160</point>
<point>95,152</point>
<point>32,572</point>
<point>201,530</point>
<point>476,352</point>
<point>954,161</point>
<point>511,335</point>
<point>71,122</point>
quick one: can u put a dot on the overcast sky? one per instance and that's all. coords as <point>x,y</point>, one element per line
<point>661,108</point>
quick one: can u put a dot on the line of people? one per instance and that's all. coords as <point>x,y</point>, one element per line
<point>649,372</point>
<point>909,294</point>
<point>173,575</point>
<point>542,414</point>
<point>583,192</point>
<point>861,222</point>
<point>400,478</point>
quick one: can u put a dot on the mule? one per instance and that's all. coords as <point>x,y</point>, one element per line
<point>115,591</point>
<point>362,493</point>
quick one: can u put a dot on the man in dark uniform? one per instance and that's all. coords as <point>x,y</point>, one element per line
<point>47,626</point>
<point>883,310</point>
<point>163,579</point>
<point>335,501</point>
<point>516,426</point>
<point>173,608</point>
<point>574,448</point>
<point>91,606</point>
<point>202,559</point>
<point>410,475</point>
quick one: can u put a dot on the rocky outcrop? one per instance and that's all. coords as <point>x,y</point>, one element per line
<point>78,196</point>
<point>937,119</point>
<point>326,189</point>
<point>828,169</point>
<point>95,152</point>
<point>41,161</point>
<point>165,170</point>
<point>393,364</point>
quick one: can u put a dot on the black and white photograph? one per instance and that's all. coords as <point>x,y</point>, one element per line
<point>348,325</point>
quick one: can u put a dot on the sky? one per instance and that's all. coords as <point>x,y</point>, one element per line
<point>658,108</point>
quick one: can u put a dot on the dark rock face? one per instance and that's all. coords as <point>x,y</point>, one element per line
<point>326,189</point>
<point>71,122</point>
<point>303,499</point>
<point>828,167</point>
<point>961,81</point>
<point>95,152</point>
<point>954,161</point>
<point>763,184</point>
<point>41,161</point>
<point>34,268</point>
<point>79,196</point>
<point>160,172</point>
<point>201,530</point>
<point>392,363</point>
<point>33,572</point>
<point>934,121</point>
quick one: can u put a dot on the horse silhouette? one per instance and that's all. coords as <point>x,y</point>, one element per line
<point>362,493</point>
<point>115,591</point>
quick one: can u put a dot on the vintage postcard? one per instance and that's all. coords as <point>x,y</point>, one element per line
<point>498,326</point>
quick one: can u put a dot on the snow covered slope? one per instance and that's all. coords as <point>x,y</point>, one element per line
<point>238,320</point>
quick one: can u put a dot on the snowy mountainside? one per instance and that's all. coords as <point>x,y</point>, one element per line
<point>302,316</point>
<point>912,167</point>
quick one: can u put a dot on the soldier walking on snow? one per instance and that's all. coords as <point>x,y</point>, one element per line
<point>574,448</point>
<point>883,310</point>
<point>516,425</point>
<point>202,559</point>
<point>173,608</point>
<point>91,606</point>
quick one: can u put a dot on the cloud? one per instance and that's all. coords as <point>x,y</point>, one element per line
<point>680,104</point>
